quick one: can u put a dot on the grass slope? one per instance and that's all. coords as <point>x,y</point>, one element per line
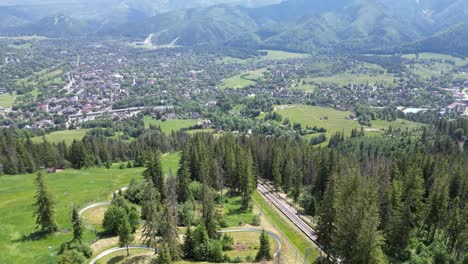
<point>243,79</point>
<point>7,100</point>
<point>71,187</point>
<point>282,55</point>
<point>64,135</point>
<point>292,233</point>
<point>169,125</point>
<point>315,116</point>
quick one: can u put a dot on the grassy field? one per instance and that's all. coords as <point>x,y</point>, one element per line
<point>461,76</point>
<point>292,233</point>
<point>46,77</point>
<point>243,79</point>
<point>437,56</point>
<point>64,135</point>
<point>316,116</point>
<point>348,78</point>
<point>20,46</point>
<point>70,188</point>
<point>271,55</point>
<point>397,124</point>
<point>121,256</point>
<point>433,64</point>
<point>247,244</point>
<point>7,100</point>
<point>169,125</point>
<point>299,85</point>
<point>282,55</point>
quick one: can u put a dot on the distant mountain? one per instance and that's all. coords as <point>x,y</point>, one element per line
<point>450,41</point>
<point>299,25</point>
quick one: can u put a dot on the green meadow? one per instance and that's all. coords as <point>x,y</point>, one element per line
<point>64,135</point>
<point>283,55</point>
<point>350,78</point>
<point>334,120</point>
<point>19,243</point>
<point>26,45</point>
<point>7,100</point>
<point>45,77</point>
<point>169,125</point>
<point>243,79</point>
<point>397,124</point>
<point>330,119</point>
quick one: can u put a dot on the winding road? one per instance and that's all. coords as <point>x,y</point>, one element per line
<point>115,249</point>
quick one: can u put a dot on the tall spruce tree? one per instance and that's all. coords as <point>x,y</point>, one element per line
<point>44,206</point>
<point>150,214</point>
<point>264,252</point>
<point>154,171</point>
<point>77,225</point>
<point>247,184</point>
<point>326,216</point>
<point>169,230</point>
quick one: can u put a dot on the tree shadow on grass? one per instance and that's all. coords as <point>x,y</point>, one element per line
<point>115,260</point>
<point>34,236</point>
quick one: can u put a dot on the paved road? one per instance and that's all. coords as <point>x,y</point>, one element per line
<point>290,213</point>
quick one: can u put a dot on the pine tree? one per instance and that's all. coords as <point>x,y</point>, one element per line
<point>154,171</point>
<point>356,237</point>
<point>150,214</point>
<point>326,216</point>
<point>77,226</point>
<point>183,181</point>
<point>125,234</point>
<point>264,250</point>
<point>164,256</point>
<point>437,206</point>
<point>413,191</point>
<point>247,180</point>
<point>397,234</point>
<point>189,243</point>
<point>298,182</point>
<point>169,230</point>
<point>287,173</point>
<point>276,168</point>
<point>44,206</point>
<point>455,227</point>
<point>209,213</point>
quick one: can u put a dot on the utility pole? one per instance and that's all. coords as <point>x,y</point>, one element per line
<point>51,250</point>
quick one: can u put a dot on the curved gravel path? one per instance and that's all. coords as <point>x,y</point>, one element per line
<point>234,230</point>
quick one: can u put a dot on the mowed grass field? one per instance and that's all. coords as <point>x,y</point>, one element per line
<point>169,125</point>
<point>46,77</point>
<point>64,135</point>
<point>70,188</point>
<point>334,120</point>
<point>283,55</point>
<point>7,100</point>
<point>330,119</point>
<point>271,55</point>
<point>397,124</point>
<point>243,79</point>
<point>348,78</point>
<point>434,64</point>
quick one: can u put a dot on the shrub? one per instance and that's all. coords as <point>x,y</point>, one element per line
<point>227,242</point>
<point>256,220</point>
